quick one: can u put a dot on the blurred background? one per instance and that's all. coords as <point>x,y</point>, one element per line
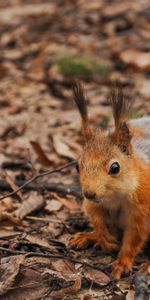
<point>44,43</point>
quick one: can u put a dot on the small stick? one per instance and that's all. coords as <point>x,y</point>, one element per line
<point>43,219</point>
<point>38,176</point>
<point>51,187</point>
<point>56,256</point>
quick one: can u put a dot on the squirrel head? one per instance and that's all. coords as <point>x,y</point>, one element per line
<point>106,165</point>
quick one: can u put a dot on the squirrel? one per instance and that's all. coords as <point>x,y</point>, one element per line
<point>114,170</point>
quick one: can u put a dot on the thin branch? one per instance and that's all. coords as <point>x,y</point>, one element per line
<point>60,188</point>
<point>56,256</point>
<point>39,175</point>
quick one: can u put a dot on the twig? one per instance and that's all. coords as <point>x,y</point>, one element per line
<point>43,219</point>
<point>56,256</point>
<point>16,165</point>
<point>38,176</point>
<point>49,220</point>
<point>52,187</point>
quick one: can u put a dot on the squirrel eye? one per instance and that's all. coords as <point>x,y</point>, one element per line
<point>77,168</point>
<point>114,169</point>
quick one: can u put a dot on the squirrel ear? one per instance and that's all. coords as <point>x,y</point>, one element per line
<point>82,107</point>
<point>124,138</point>
<point>121,136</point>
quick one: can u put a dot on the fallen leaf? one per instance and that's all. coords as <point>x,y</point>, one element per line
<point>87,297</point>
<point>7,204</point>
<point>4,232</point>
<point>118,297</point>
<point>137,59</point>
<point>64,275</point>
<point>71,290</point>
<point>65,269</point>
<point>14,186</point>
<point>69,202</point>
<point>116,9</point>
<point>8,219</point>
<point>12,15</point>
<point>61,147</point>
<point>41,156</point>
<point>53,205</point>
<point>36,239</point>
<point>8,272</point>
<point>96,277</point>
<point>130,295</point>
<point>34,202</point>
<point>30,283</point>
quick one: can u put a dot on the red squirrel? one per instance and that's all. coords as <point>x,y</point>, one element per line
<point>114,170</point>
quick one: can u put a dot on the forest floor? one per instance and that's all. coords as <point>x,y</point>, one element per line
<point>42,44</point>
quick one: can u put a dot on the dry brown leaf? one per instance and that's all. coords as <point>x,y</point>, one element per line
<point>114,9</point>
<point>118,297</point>
<point>8,272</point>
<point>7,204</point>
<point>97,277</point>
<point>61,147</point>
<point>14,186</point>
<point>37,239</point>
<point>64,269</point>
<point>37,70</point>
<point>136,59</point>
<point>87,297</point>
<point>74,146</point>
<point>30,283</point>
<point>130,295</point>
<point>8,219</point>
<point>13,14</point>
<point>34,202</point>
<point>54,229</point>
<point>53,205</point>
<point>4,232</point>
<point>69,202</point>
<point>41,156</point>
<point>71,290</point>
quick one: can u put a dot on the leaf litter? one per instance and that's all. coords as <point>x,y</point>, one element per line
<point>40,129</point>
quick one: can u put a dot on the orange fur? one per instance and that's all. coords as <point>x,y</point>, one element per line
<point>116,201</point>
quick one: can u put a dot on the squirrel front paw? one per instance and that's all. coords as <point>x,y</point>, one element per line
<point>85,239</point>
<point>82,240</point>
<point>122,265</point>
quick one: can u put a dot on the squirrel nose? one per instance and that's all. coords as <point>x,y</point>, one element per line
<point>90,196</point>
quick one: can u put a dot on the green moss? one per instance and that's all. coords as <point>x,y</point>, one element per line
<point>105,121</point>
<point>135,115</point>
<point>81,66</point>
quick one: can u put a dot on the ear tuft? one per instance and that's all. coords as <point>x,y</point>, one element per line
<point>79,98</point>
<point>120,106</point>
<point>124,138</point>
<point>80,101</point>
<point>121,136</point>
